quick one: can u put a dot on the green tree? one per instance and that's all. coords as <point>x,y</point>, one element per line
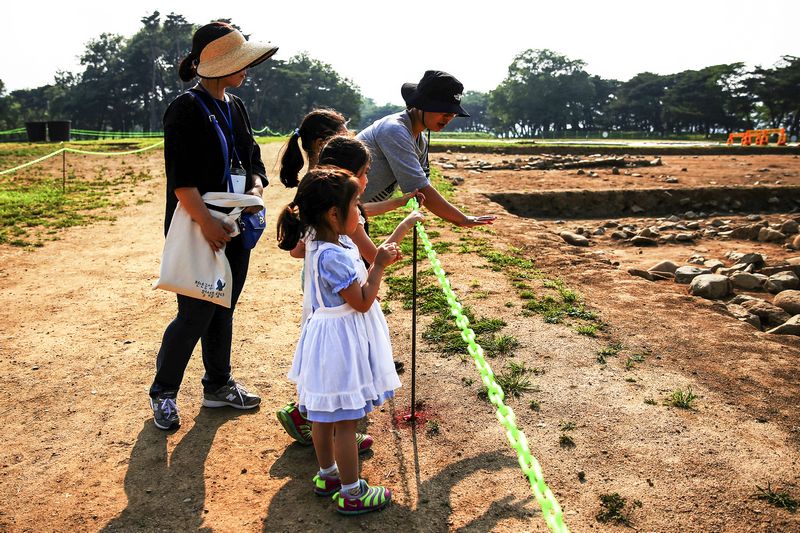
<point>28,105</point>
<point>6,122</point>
<point>100,101</point>
<point>706,100</point>
<point>638,103</point>
<point>477,105</point>
<point>543,91</point>
<point>280,93</point>
<point>370,112</point>
<point>778,91</point>
<point>597,115</point>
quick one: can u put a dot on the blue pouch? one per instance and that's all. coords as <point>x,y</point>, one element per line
<point>251,227</point>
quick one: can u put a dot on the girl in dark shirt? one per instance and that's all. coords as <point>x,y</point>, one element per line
<point>195,164</point>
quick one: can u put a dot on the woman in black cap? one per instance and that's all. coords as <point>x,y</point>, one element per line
<point>195,164</point>
<point>400,151</point>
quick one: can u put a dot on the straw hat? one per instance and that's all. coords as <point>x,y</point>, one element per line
<point>231,53</point>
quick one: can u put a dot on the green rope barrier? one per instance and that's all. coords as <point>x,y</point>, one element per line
<point>129,152</point>
<point>12,132</point>
<point>126,134</point>
<point>29,163</point>
<point>551,510</point>
<point>270,133</point>
<point>76,151</point>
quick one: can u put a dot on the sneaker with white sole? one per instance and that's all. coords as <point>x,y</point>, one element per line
<point>232,394</point>
<point>369,498</point>
<point>165,412</point>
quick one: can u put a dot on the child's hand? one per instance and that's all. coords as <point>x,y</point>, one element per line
<point>414,194</point>
<point>388,253</point>
<point>413,217</point>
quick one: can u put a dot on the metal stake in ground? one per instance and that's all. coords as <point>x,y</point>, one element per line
<point>63,171</point>
<point>412,417</point>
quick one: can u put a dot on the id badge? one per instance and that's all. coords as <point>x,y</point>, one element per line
<point>238,178</point>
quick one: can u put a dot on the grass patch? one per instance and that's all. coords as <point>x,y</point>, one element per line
<point>444,332</point>
<point>567,426</point>
<point>407,246</point>
<point>504,345</point>
<point>637,357</point>
<point>682,399</point>
<point>612,350</point>
<point>649,401</point>
<point>633,359</point>
<point>776,498</point>
<point>554,311</point>
<point>35,201</point>
<point>565,441</point>
<point>430,298</point>
<point>535,405</point>
<point>568,296</point>
<point>513,380</point>
<point>613,509</point>
<point>432,428</point>
<point>45,206</point>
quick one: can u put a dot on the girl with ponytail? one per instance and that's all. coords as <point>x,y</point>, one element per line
<point>316,128</point>
<point>343,362</point>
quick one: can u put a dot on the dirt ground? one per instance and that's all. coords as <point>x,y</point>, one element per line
<point>82,327</point>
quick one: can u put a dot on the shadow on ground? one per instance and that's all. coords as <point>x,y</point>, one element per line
<point>296,507</point>
<point>168,492</point>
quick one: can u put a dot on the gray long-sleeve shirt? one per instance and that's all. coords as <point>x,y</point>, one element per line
<point>397,158</point>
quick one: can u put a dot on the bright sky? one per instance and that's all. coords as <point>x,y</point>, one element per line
<point>379,45</point>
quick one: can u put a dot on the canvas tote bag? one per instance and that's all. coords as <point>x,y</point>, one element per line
<point>188,265</point>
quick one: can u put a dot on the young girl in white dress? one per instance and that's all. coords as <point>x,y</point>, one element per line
<point>348,153</point>
<point>343,363</point>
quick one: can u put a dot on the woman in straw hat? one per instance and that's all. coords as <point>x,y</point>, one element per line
<point>195,164</point>
<point>400,151</point>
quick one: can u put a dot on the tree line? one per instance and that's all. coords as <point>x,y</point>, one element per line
<point>126,84</point>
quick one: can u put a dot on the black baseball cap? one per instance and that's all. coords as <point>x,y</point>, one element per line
<point>436,92</point>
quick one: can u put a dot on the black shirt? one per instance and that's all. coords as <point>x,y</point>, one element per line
<point>192,152</point>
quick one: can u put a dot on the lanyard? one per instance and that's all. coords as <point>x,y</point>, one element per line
<point>226,169</point>
<point>228,119</point>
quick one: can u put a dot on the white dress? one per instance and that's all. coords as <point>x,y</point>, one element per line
<point>343,364</point>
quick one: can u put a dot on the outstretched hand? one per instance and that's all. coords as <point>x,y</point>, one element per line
<point>471,221</point>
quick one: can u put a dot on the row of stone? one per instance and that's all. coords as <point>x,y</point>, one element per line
<point>548,162</point>
<point>673,229</point>
<point>716,282</point>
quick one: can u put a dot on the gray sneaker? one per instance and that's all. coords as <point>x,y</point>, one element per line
<point>231,395</point>
<point>165,412</point>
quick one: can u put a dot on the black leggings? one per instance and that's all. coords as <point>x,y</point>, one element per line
<point>207,322</point>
